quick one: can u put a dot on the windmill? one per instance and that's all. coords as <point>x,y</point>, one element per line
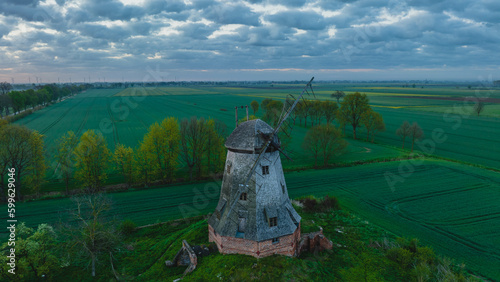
<point>254,215</point>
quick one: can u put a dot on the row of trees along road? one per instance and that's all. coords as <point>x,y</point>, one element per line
<point>196,144</point>
<point>39,96</point>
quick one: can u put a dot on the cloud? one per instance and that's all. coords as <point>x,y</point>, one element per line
<point>306,20</point>
<point>94,35</point>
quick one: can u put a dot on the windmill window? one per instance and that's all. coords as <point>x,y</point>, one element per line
<point>265,169</point>
<point>283,188</point>
<point>243,196</point>
<point>273,221</point>
<point>228,169</point>
<point>276,240</point>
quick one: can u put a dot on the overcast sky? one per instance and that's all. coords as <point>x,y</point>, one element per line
<point>155,40</point>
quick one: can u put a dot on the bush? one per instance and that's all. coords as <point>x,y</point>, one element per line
<point>400,256</point>
<point>330,202</point>
<point>127,227</point>
<point>310,204</point>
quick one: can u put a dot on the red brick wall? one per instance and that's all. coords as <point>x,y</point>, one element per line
<point>287,245</point>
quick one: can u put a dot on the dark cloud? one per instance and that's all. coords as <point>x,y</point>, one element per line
<point>231,14</point>
<point>158,6</point>
<point>111,9</point>
<point>299,19</point>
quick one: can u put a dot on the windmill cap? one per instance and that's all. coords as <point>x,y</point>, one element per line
<point>246,136</point>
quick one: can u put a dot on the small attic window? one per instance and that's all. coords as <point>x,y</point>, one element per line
<point>243,196</point>
<point>276,240</point>
<point>273,221</point>
<point>265,169</point>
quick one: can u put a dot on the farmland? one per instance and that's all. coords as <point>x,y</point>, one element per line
<point>451,206</point>
<point>456,211</point>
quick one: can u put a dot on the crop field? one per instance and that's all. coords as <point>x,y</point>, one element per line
<point>452,207</point>
<point>125,119</point>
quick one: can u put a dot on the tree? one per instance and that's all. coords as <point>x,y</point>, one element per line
<point>17,152</point>
<point>272,112</point>
<point>303,110</point>
<point>255,106</point>
<point>352,107</point>
<point>142,164</point>
<point>123,158</point>
<point>35,255</point>
<point>18,100</point>
<point>479,107</point>
<point>214,147</point>
<point>5,103</point>
<point>193,136</point>
<point>373,123</point>
<point>403,131</point>
<point>162,143</point>
<point>316,112</point>
<point>329,110</point>
<point>64,156</point>
<point>324,140</point>
<point>5,87</point>
<point>92,160</point>
<point>263,104</point>
<point>416,133</point>
<point>94,235</point>
<point>338,95</point>
<point>35,172</point>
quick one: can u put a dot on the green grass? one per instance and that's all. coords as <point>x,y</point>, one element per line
<point>452,207</point>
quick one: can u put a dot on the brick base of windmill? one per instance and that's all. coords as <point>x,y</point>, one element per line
<point>290,245</point>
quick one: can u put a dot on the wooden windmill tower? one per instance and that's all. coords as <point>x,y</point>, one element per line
<point>254,215</point>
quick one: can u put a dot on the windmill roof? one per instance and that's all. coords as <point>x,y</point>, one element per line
<point>245,137</point>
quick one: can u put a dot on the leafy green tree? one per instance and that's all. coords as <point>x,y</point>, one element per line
<point>142,165</point>
<point>352,107</point>
<point>123,158</point>
<point>329,110</point>
<point>5,103</point>
<point>324,140</point>
<point>403,131</point>
<point>272,112</point>
<point>35,172</point>
<point>162,142</point>
<point>215,151</point>
<point>18,100</point>
<point>316,112</point>
<point>373,123</point>
<point>65,157</point>
<point>255,106</point>
<point>92,159</point>
<point>263,104</point>
<point>416,133</point>
<point>36,258</point>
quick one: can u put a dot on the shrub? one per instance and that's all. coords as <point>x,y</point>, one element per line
<point>310,204</point>
<point>400,256</point>
<point>330,202</point>
<point>128,227</point>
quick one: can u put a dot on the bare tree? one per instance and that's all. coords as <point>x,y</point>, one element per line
<point>403,131</point>
<point>193,136</point>
<point>479,107</point>
<point>16,151</point>
<point>338,95</point>
<point>5,87</point>
<point>416,133</point>
<point>94,235</point>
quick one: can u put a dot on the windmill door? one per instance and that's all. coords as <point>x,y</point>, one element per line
<point>241,225</point>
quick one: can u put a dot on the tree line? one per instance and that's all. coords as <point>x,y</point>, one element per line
<point>30,98</point>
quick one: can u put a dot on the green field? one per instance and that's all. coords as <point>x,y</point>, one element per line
<point>452,207</point>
